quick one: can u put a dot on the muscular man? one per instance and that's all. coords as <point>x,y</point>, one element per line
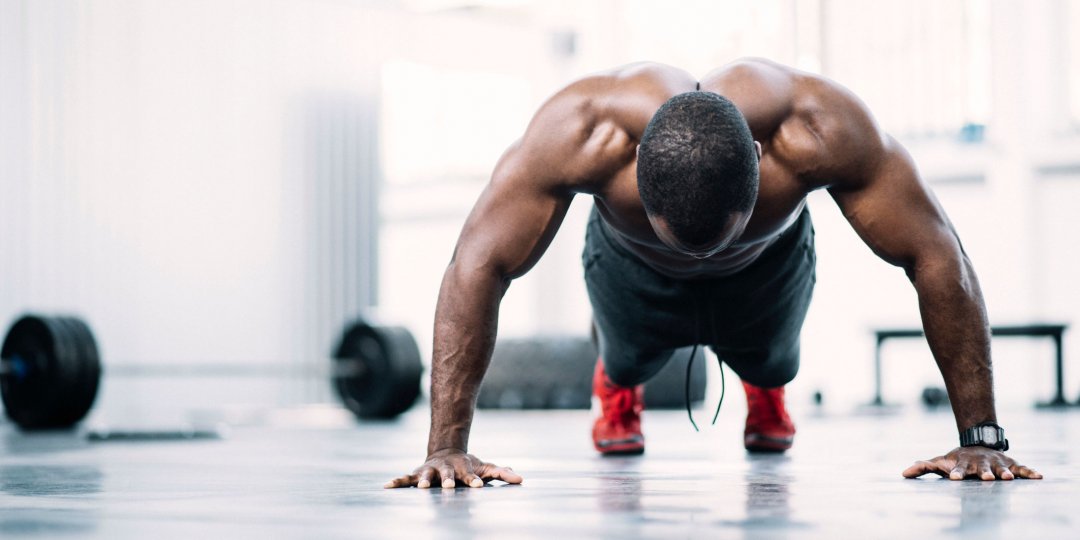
<point>700,235</point>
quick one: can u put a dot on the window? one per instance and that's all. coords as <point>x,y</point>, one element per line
<point>923,66</point>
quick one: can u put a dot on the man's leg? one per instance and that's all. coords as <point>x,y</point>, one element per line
<point>764,372</point>
<point>768,426</point>
<point>639,319</point>
<point>618,428</point>
<point>759,317</point>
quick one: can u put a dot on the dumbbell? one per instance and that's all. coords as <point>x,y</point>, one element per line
<point>50,371</point>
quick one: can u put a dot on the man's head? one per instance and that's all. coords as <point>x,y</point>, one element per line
<point>698,173</point>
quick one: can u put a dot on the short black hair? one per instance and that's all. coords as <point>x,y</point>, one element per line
<point>697,164</point>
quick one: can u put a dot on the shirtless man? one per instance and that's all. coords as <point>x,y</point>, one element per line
<point>700,235</point>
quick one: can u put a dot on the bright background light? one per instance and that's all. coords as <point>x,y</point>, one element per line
<point>227,182</point>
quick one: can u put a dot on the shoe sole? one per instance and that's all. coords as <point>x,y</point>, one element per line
<point>622,447</point>
<point>767,445</point>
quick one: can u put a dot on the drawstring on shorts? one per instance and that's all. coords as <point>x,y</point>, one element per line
<point>723,389</point>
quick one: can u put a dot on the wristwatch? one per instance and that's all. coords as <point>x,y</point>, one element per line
<point>987,434</point>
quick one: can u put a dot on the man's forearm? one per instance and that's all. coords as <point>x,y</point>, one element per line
<point>466,319</point>
<point>956,326</point>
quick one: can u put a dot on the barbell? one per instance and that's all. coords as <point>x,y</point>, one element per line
<point>50,371</point>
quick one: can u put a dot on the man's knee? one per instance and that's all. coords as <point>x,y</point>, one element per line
<point>630,370</point>
<point>767,368</point>
<point>778,374</point>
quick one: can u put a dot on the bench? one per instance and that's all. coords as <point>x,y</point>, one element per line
<point>1052,331</point>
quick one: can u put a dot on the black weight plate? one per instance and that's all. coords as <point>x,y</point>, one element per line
<point>90,377</point>
<point>58,387</point>
<point>389,382</point>
<point>406,373</point>
<point>85,372</point>
<point>65,375</point>
<point>31,398</point>
<point>26,349</point>
<point>361,344</point>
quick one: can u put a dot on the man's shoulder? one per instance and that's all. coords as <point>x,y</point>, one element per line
<point>769,93</point>
<point>849,139</point>
<point>628,95</point>
<point>588,130</point>
<point>814,125</point>
<point>641,77</point>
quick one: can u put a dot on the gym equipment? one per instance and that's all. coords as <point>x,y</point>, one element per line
<point>555,372</point>
<point>1052,331</point>
<point>377,370</point>
<point>934,397</point>
<point>50,370</point>
<point>153,436</point>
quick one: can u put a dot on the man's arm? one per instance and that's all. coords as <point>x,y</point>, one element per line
<point>896,215</point>
<point>881,194</point>
<point>507,231</point>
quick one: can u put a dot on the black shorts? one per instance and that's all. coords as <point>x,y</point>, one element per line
<point>751,319</point>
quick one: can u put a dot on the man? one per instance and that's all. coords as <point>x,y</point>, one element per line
<point>700,235</point>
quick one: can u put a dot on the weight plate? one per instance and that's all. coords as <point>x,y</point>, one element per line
<point>57,372</point>
<point>360,344</point>
<point>64,374</point>
<point>406,373</point>
<point>30,397</point>
<point>388,382</point>
<point>85,372</point>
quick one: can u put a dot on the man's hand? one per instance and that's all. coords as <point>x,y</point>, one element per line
<point>972,462</point>
<point>452,467</point>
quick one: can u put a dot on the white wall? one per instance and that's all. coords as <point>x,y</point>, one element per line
<point>166,171</point>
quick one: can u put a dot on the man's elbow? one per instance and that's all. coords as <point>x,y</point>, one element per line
<point>945,269</point>
<point>471,271</point>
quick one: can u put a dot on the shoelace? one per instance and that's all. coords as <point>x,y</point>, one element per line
<point>723,389</point>
<point>617,406</point>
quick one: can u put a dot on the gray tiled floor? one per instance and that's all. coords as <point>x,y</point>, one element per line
<point>313,474</point>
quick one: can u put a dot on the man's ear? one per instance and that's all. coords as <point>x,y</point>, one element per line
<point>758,146</point>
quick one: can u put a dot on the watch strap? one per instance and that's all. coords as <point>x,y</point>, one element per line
<point>987,434</point>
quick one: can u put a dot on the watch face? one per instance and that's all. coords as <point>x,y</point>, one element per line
<point>989,435</point>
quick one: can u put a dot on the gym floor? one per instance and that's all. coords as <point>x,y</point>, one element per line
<point>316,473</point>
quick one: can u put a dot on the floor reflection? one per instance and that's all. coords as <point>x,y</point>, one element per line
<point>768,496</point>
<point>984,506</point>
<point>453,510</point>
<point>620,493</point>
<point>40,480</point>
<point>18,442</point>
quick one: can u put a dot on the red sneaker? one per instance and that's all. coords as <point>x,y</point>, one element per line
<point>768,426</point>
<point>618,430</point>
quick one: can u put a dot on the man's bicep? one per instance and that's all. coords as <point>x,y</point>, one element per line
<point>896,213</point>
